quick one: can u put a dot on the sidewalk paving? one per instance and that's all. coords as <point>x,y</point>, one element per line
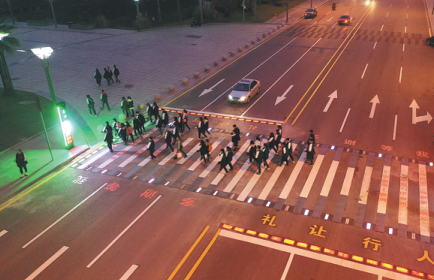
<point>149,62</point>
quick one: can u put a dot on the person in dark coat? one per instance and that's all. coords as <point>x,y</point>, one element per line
<point>285,153</point>
<point>155,110</point>
<point>259,157</point>
<point>159,125</point>
<point>104,100</point>
<point>151,147</point>
<point>289,145</point>
<point>277,139</point>
<point>310,150</point>
<point>129,130</point>
<point>150,112</point>
<point>312,135</point>
<point>251,151</point>
<point>137,127</point>
<point>142,121</point>
<point>201,128</point>
<point>175,130</point>
<point>180,122</point>
<point>131,106</point>
<point>223,161</point>
<point>203,149</point>
<point>165,117</point>
<point>124,107</point>
<point>168,139</point>
<point>106,76</point>
<point>116,72</point>
<point>21,161</point>
<point>108,137</point>
<point>122,132</point>
<point>205,125</point>
<point>110,72</point>
<point>265,155</point>
<point>179,149</point>
<point>271,142</point>
<point>91,105</point>
<point>185,119</point>
<point>98,77</point>
<point>235,136</point>
<point>228,157</point>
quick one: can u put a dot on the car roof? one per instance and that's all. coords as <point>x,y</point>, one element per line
<point>310,9</point>
<point>246,81</point>
<point>346,15</point>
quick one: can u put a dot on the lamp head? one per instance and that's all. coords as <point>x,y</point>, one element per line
<point>43,52</point>
<point>2,35</point>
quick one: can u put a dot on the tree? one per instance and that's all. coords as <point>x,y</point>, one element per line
<point>6,45</point>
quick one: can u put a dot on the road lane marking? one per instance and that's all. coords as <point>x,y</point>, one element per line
<point>136,154</point>
<point>123,232</point>
<point>387,14</point>
<point>331,98</point>
<point>345,119</point>
<point>366,183</point>
<point>237,177</point>
<point>330,177</point>
<point>245,75</point>
<point>188,253</point>
<point>214,148</point>
<point>61,218</point>
<point>366,67</point>
<point>403,195</point>
<point>312,175</point>
<point>288,264</point>
<point>381,29</point>
<point>117,155</point>
<point>330,19</point>
<point>203,255</point>
<point>374,46</point>
<point>374,102</point>
<point>424,207</point>
<point>405,29</point>
<point>403,47</point>
<point>128,273</point>
<point>170,156</point>
<point>281,77</point>
<point>334,25</point>
<point>3,232</point>
<point>189,154</point>
<point>313,24</point>
<point>47,263</point>
<point>428,20</point>
<point>93,159</point>
<point>384,190</point>
<point>394,127</point>
<point>283,97</point>
<point>205,91</point>
<point>294,174</point>
<point>400,75</point>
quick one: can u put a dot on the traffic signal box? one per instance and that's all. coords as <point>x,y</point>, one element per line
<point>66,125</point>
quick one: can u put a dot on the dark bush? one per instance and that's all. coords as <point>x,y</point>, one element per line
<point>278,3</point>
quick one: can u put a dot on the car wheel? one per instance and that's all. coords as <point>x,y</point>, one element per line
<point>259,91</point>
<point>248,99</point>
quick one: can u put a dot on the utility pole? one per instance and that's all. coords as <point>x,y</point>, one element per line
<point>39,104</point>
<point>287,8</point>
<point>201,11</point>
<point>138,14</point>
<point>10,11</point>
<point>54,16</point>
<point>244,6</point>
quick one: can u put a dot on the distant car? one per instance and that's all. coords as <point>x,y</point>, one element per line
<point>244,90</point>
<point>310,13</point>
<point>430,41</point>
<point>344,19</point>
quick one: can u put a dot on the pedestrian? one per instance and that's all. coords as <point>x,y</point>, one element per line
<point>116,126</point>
<point>265,155</point>
<point>180,122</point>
<point>277,139</point>
<point>257,141</point>
<point>137,127</point>
<point>201,128</point>
<point>203,149</point>
<point>106,76</point>
<point>159,125</point>
<point>179,150</point>
<point>122,132</point>
<point>175,130</point>
<point>124,106</point>
<point>108,137</point>
<point>208,144</point>
<point>259,157</point>
<point>285,153</point>
<point>21,161</point>
<point>151,147</point>
<point>289,145</point>
<point>129,130</point>
<point>185,119</point>
<point>155,110</point>
<point>168,139</point>
<point>165,117</point>
<point>228,157</point>
<point>223,161</point>
<point>131,106</point>
<point>150,112</point>
<point>310,150</point>
<point>312,135</point>
<point>110,74</point>
<point>271,142</point>
<point>116,72</point>
<point>235,136</point>
<point>279,127</point>
<point>104,100</point>
<point>98,77</point>
<point>142,120</point>
<point>91,105</point>
<point>251,151</point>
<point>206,125</point>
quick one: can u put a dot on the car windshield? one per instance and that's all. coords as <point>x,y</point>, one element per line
<point>241,87</point>
<point>345,17</point>
<point>309,10</point>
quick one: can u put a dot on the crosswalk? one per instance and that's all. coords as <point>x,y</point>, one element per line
<point>364,189</point>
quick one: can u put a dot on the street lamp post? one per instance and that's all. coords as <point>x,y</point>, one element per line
<point>10,11</point>
<point>138,13</point>
<point>44,54</point>
<point>5,66</point>
<point>54,16</point>
<point>287,8</point>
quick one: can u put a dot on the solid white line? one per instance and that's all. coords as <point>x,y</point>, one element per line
<point>364,191</point>
<point>288,264</point>
<point>123,232</point>
<point>281,77</point>
<point>129,272</point>
<point>403,47</point>
<point>329,179</point>
<point>291,180</point>
<point>346,116</point>
<point>400,75</point>
<point>347,181</point>
<point>312,175</point>
<point>381,29</point>
<point>384,190</point>
<point>249,73</point>
<point>3,232</point>
<point>403,195</point>
<point>333,25</point>
<point>313,24</point>
<point>366,67</point>
<point>387,14</point>
<point>61,218</point>
<point>328,13</point>
<point>47,263</point>
<point>374,45</point>
<point>136,154</point>
<point>93,159</point>
<point>423,200</point>
<point>237,177</point>
<point>170,156</point>
<point>394,127</point>
<point>189,154</point>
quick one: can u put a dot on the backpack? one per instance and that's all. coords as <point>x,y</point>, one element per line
<point>209,147</point>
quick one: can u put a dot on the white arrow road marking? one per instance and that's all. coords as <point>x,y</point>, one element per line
<point>374,102</point>
<point>331,96</point>
<point>283,97</point>
<point>330,19</point>
<point>416,119</point>
<point>205,91</point>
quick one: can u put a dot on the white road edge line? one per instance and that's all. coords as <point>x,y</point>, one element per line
<point>313,24</point>
<point>249,73</point>
<point>123,232</point>
<point>366,67</point>
<point>128,273</point>
<point>400,75</point>
<point>3,232</point>
<point>47,263</point>
<point>394,127</point>
<point>374,46</point>
<point>346,116</point>
<point>405,29</point>
<point>403,47</point>
<point>381,29</point>
<point>61,218</point>
<point>333,25</point>
<point>288,264</point>
<point>280,78</point>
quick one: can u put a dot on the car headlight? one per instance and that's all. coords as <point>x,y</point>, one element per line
<point>243,98</point>
<point>230,97</point>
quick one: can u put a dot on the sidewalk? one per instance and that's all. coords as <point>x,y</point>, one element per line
<point>149,62</point>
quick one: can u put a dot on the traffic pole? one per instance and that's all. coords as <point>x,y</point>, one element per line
<point>39,104</point>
